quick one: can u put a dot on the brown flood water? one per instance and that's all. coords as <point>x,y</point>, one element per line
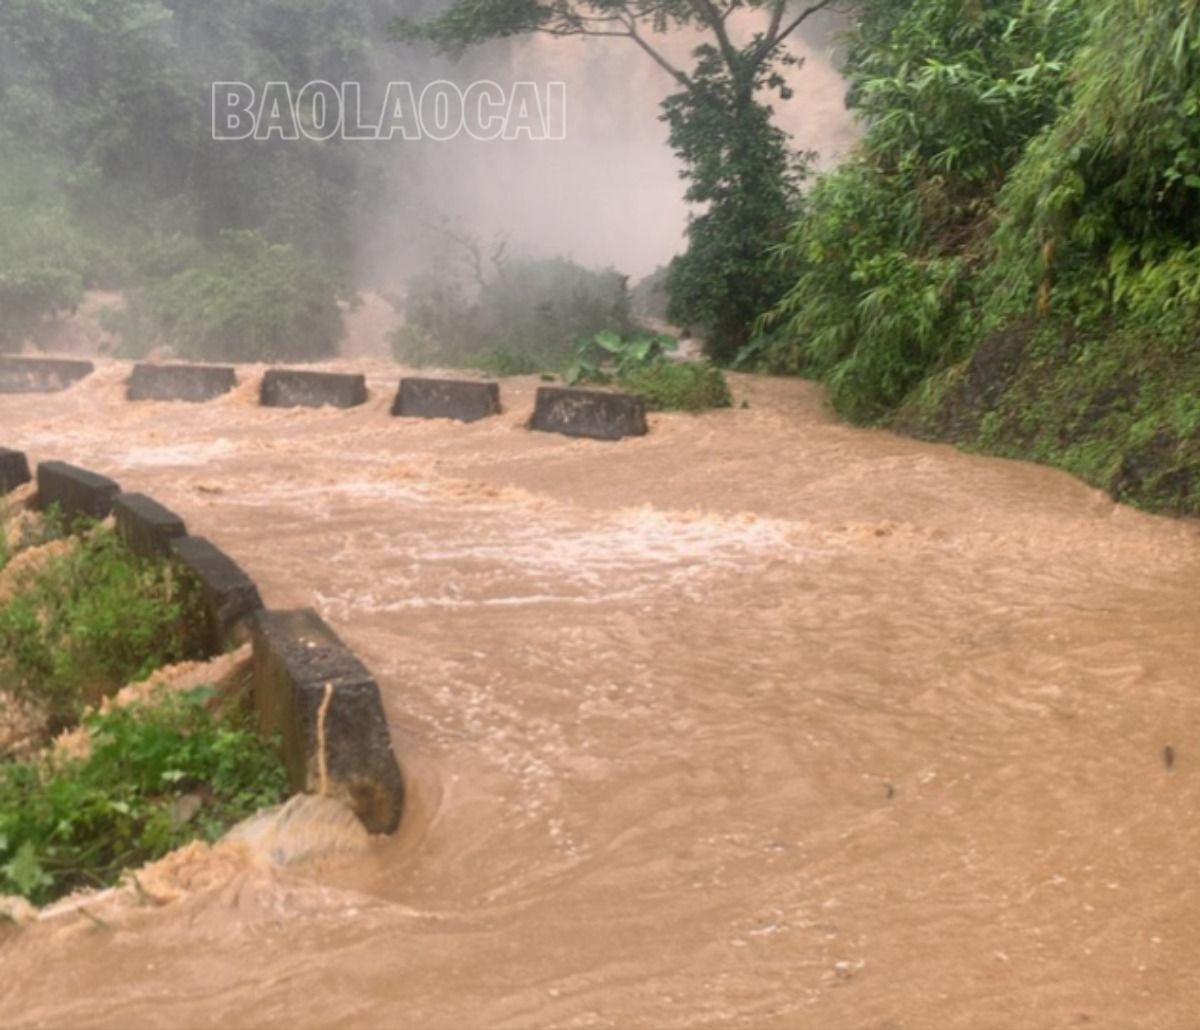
<point>760,721</point>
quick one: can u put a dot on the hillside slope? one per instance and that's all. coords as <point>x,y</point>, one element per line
<point>1011,259</point>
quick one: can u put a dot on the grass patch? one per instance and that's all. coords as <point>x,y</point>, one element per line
<point>671,386</point>
<point>92,620</point>
<point>158,775</point>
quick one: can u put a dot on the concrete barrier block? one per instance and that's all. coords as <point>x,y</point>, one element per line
<point>14,470</point>
<point>77,492</point>
<point>290,388</point>
<point>593,413</point>
<point>309,687</point>
<point>192,383</point>
<point>459,399</point>
<point>230,596</point>
<point>146,526</point>
<point>41,375</point>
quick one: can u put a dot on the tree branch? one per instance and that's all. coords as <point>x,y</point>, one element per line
<point>681,77</point>
<point>804,16</point>
<point>708,13</point>
<point>776,19</point>
<point>565,33</point>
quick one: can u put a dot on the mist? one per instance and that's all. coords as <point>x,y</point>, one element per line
<point>610,195</point>
<point>115,192</point>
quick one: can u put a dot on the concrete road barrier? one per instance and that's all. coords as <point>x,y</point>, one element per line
<point>41,375</point>
<point>290,388</point>
<point>230,597</point>
<point>77,492</point>
<point>146,526</point>
<point>14,470</point>
<point>459,399</point>
<point>592,413</point>
<point>192,383</point>
<point>309,687</point>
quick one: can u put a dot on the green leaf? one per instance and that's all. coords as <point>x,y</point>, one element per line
<point>26,872</point>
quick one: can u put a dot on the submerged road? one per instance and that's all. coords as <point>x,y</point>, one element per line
<point>760,720</point>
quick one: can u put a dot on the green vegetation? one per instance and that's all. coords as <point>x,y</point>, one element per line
<point>1011,258</point>
<point>246,300</point>
<point>737,162</point>
<point>886,254</point>
<point>8,546</point>
<point>22,534</point>
<point>91,620</point>
<point>157,775</point>
<point>640,365</point>
<point>679,386</point>
<point>41,268</point>
<point>110,178</point>
<point>744,178</point>
<point>609,356</point>
<point>506,316</point>
<point>1117,412</point>
<point>86,620</point>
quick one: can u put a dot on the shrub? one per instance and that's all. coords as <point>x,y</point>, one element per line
<point>639,364</point>
<point>887,252</point>
<point>678,386</point>
<point>524,318</point>
<point>92,620</point>
<point>157,776</point>
<point>41,269</point>
<point>247,300</point>
<point>594,357</point>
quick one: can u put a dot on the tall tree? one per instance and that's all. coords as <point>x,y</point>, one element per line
<point>739,164</point>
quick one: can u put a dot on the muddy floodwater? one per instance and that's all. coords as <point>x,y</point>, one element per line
<point>759,721</point>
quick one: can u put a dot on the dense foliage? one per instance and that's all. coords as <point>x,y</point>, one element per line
<point>744,179</point>
<point>886,250</point>
<point>158,775</point>
<point>507,316</point>
<point>89,621</point>
<point>245,299</point>
<point>1012,256</point>
<point>42,264</point>
<point>641,365</point>
<point>109,176</point>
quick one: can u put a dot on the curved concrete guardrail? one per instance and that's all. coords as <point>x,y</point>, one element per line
<point>192,383</point>
<point>14,470</point>
<point>291,388</point>
<point>307,685</point>
<point>76,492</point>
<point>594,414</point>
<point>459,399</point>
<point>41,375</point>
